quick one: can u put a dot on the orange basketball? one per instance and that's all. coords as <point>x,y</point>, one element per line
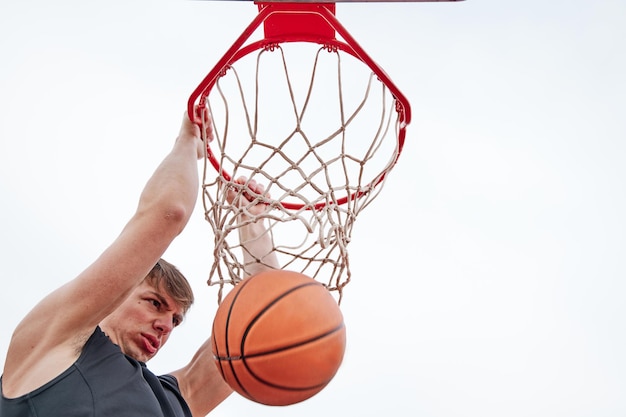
<point>278,337</point>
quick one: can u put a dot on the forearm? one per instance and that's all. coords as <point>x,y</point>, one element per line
<point>201,383</point>
<point>255,238</point>
<point>172,190</point>
<point>258,248</point>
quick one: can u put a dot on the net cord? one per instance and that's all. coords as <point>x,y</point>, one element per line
<point>327,228</point>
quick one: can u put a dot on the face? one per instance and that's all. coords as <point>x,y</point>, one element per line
<point>142,324</point>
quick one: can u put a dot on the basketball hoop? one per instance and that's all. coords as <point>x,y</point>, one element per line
<point>305,111</point>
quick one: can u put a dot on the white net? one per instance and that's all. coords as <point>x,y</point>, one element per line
<point>319,130</point>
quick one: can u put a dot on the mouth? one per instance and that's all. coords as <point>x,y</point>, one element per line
<point>150,343</point>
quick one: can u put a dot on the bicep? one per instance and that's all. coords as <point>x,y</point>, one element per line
<point>68,315</point>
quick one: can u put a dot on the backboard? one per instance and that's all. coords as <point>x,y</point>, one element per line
<point>344,1</point>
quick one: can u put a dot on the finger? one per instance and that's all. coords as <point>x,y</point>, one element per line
<point>233,192</point>
<point>252,185</point>
<point>208,128</point>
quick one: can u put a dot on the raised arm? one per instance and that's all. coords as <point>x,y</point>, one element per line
<point>50,337</point>
<point>256,240</point>
<point>200,381</point>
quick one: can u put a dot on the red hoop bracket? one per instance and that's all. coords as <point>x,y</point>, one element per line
<point>298,20</point>
<point>294,22</point>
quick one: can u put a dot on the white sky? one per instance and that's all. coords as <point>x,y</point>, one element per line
<point>495,284</point>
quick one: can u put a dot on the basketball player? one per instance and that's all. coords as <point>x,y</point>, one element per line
<point>82,350</point>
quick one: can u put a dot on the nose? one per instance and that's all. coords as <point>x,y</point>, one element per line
<point>164,325</point>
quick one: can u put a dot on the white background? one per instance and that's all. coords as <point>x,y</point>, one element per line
<point>488,278</point>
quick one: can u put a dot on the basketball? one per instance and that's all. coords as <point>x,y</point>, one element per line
<point>278,337</point>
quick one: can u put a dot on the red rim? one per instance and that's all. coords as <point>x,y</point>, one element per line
<point>321,26</point>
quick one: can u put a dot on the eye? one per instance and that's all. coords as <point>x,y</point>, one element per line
<point>155,302</point>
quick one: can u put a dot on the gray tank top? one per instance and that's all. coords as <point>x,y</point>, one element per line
<point>103,382</point>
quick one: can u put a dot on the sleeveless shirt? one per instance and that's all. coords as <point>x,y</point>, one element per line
<point>103,382</point>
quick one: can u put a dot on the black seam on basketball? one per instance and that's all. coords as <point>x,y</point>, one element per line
<point>284,387</point>
<point>227,326</point>
<point>277,350</point>
<point>267,307</point>
<point>216,355</point>
<point>249,327</point>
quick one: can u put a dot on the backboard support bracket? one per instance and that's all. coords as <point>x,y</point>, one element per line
<point>285,24</point>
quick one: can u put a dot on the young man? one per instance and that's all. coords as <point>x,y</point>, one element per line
<point>82,350</point>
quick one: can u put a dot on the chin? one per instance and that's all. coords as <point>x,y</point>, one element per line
<point>139,355</point>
